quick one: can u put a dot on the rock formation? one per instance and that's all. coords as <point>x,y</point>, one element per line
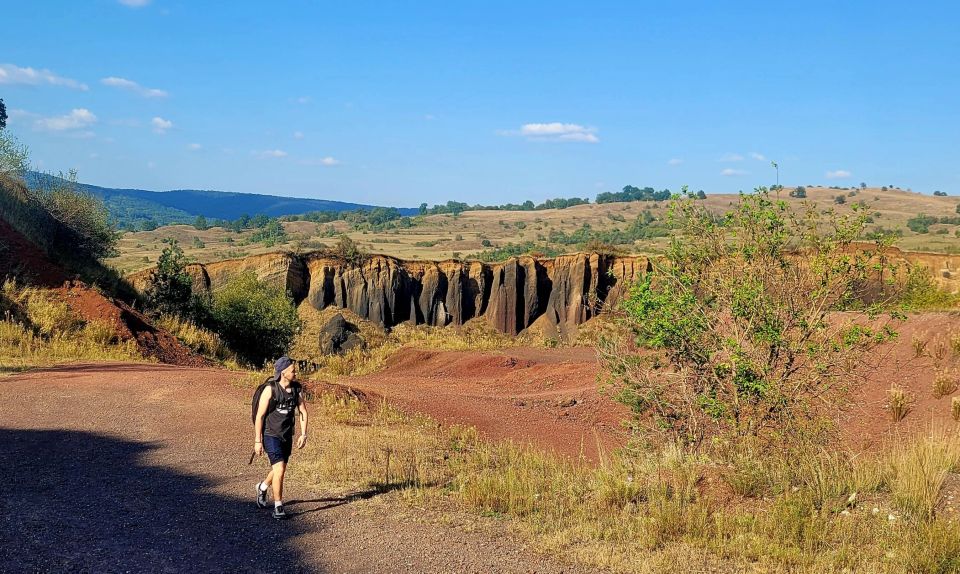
<point>555,294</point>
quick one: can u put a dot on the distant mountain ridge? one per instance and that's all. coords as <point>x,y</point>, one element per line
<point>131,207</point>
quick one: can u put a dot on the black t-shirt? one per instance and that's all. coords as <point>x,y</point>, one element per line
<point>279,421</point>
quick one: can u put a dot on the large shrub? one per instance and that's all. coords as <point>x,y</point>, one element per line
<point>737,326</point>
<point>259,321</point>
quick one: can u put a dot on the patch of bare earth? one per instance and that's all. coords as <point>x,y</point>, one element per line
<point>546,397</point>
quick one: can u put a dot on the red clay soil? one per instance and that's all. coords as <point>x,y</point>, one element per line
<point>129,324</point>
<point>867,423</point>
<point>550,397</point>
<point>22,259</point>
<point>546,397</point>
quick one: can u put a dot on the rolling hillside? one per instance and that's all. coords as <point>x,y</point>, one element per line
<point>474,233</point>
<point>132,207</point>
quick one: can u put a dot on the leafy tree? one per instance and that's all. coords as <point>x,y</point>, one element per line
<point>200,223</point>
<point>840,200</point>
<point>799,192</point>
<point>14,156</point>
<point>84,213</point>
<point>170,289</point>
<point>3,115</point>
<point>348,250</point>
<point>258,320</point>
<point>740,339</point>
<point>701,194</point>
<point>940,193</point>
<point>921,223</point>
<point>423,209</point>
<point>863,185</point>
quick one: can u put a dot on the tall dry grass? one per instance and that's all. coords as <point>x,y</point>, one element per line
<point>201,340</point>
<point>37,329</point>
<point>655,510</point>
<point>380,345</point>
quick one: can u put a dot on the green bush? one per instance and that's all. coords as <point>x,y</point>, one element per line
<point>170,289</point>
<point>259,321</point>
<point>736,330</point>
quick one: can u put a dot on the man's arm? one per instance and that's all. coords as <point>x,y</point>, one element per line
<point>302,407</point>
<point>258,420</point>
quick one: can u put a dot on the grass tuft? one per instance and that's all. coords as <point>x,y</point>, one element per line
<point>899,403</point>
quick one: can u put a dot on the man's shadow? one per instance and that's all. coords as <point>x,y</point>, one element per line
<point>328,502</point>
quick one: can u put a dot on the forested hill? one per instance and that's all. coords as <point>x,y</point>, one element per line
<point>131,207</point>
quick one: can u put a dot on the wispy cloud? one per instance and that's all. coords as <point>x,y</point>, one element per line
<point>303,100</point>
<point>731,157</point>
<point>674,161</point>
<point>555,131</point>
<point>77,119</point>
<point>323,161</point>
<point>131,86</point>
<point>15,75</point>
<point>270,153</point>
<point>298,135</point>
<point>758,156</point>
<point>161,125</point>
<point>194,147</point>
<point>729,172</point>
<point>838,174</point>
<point>134,3</point>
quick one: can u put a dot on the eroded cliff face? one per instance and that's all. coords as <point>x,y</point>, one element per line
<point>554,295</point>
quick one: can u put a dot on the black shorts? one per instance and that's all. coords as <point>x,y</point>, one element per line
<point>278,450</point>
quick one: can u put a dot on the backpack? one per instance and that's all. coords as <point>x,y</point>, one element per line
<point>255,403</point>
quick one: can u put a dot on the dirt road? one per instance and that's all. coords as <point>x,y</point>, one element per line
<point>143,468</point>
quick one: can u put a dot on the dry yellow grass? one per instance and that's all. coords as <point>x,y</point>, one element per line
<point>477,335</point>
<point>649,511</point>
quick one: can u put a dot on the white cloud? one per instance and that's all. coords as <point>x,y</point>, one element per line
<point>131,86</point>
<point>733,172</point>
<point>15,75</point>
<point>78,118</point>
<point>838,174</point>
<point>194,147</point>
<point>161,125</point>
<point>674,161</point>
<point>272,153</point>
<point>324,161</point>
<point>298,135</point>
<point>135,3</point>
<point>556,131</point>
<point>731,157</point>
<point>303,100</point>
<point>758,156</point>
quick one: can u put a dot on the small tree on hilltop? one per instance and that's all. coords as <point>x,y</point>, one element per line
<point>170,289</point>
<point>737,328</point>
<point>348,250</point>
<point>3,115</point>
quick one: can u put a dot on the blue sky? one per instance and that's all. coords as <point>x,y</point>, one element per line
<point>401,102</point>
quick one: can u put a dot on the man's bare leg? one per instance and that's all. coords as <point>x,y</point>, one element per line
<point>276,479</point>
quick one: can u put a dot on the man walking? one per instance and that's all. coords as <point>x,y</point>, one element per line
<point>273,429</point>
